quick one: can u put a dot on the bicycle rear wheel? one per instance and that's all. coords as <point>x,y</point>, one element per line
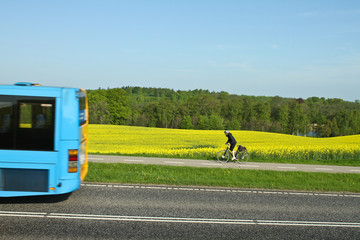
<point>223,156</point>
<point>242,157</point>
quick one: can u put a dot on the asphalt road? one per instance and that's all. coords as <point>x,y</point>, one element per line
<point>111,211</point>
<point>210,163</point>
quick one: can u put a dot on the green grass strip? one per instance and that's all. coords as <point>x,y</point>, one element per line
<point>239,178</point>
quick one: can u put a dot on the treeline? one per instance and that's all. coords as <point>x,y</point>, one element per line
<point>201,109</point>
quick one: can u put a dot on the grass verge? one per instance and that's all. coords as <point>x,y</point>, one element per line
<point>335,162</point>
<point>264,179</point>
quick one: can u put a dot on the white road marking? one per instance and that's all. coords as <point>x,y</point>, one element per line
<point>286,167</point>
<point>133,160</point>
<point>173,162</point>
<point>221,190</point>
<point>22,214</point>
<point>28,213</point>
<point>179,219</point>
<point>324,169</point>
<point>354,170</point>
<point>212,164</point>
<point>248,165</point>
<point>94,185</point>
<point>90,158</point>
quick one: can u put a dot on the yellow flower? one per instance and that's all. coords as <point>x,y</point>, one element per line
<point>125,140</point>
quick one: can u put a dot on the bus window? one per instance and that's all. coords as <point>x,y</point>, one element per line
<point>36,115</point>
<point>27,123</point>
<point>82,105</point>
<point>36,125</point>
<point>6,133</point>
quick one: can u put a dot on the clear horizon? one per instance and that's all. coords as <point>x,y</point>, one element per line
<point>296,49</point>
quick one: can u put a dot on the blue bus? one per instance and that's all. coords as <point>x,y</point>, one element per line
<point>43,139</point>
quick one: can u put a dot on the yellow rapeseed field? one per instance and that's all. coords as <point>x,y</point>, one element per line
<point>204,144</point>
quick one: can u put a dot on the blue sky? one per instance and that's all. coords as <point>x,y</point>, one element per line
<point>298,48</point>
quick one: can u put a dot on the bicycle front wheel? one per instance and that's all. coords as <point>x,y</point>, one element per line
<point>223,156</point>
<point>242,157</point>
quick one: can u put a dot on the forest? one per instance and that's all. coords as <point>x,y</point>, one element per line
<point>202,109</point>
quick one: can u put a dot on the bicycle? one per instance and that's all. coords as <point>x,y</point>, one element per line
<point>241,155</point>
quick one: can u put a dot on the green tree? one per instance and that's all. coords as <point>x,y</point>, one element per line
<point>160,107</point>
<point>166,113</point>
<point>215,122</point>
<point>186,123</point>
<point>298,120</point>
<point>354,121</point>
<point>98,107</point>
<point>262,115</point>
<point>203,123</point>
<point>284,117</point>
<point>248,114</point>
<point>233,124</point>
<point>99,113</point>
<point>325,129</point>
<point>119,110</point>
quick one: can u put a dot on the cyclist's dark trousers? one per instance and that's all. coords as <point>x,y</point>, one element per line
<point>232,146</point>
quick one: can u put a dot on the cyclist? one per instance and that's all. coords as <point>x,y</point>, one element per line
<point>232,142</point>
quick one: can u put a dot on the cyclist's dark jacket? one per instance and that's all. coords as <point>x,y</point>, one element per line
<point>231,139</point>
